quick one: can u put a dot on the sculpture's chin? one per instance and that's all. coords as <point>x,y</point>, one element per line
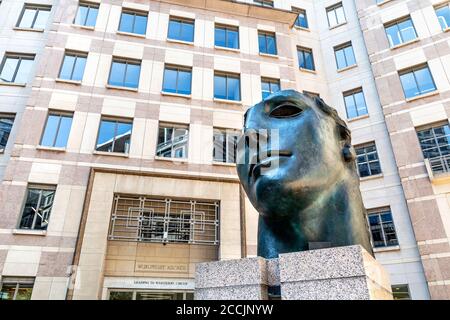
<point>270,198</point>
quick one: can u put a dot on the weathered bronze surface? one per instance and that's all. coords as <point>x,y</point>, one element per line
<point>297,166</point>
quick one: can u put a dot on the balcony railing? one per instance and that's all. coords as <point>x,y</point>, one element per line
<point>148,219</point>
<point>439,165</point>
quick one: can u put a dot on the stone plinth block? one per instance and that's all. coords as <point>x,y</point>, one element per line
<point>243,279</point>
<point>342,273</point>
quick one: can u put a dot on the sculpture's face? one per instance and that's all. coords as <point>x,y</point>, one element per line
<point>285,176</point>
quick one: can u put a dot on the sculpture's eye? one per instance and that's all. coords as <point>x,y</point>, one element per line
<point>286,110</point>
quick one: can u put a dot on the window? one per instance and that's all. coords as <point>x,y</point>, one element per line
<point>16,288</point>
<point>305,58</point>
<point>367,159</point>
<point>302,19</point>
<point>264,3</point>
<point>227,86</point>
<point>417,81</point>
<point>267,43</point>
<point>181,29</point>
<point>435,145</point>
<point>172,141</point>
<point>114,136</point>
<point>177,80</point>
<point>164,220</point>
<point>125,73</point>
<point>269,86</point>
<point>382,228</point>
<point>16,68</point>
<point>225,145</point>
<point>401,292</point>
<point>73,66</point>
<point>34,17</point>
<point>37,209</point>
<point>226,36</point>
<point>133,22</point>
<point>336,15</point>
<point>443,14</point>
<point>57,130</point>
<point>6,123</point>
<point>355,103</point>
<point>86,14</point>
<point>345,57</point>
<point>401,31</point>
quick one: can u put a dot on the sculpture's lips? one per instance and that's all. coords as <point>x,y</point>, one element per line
<point>255,166</point>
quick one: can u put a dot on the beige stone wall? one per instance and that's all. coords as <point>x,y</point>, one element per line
<point>427,199</point>
<point>134,259</point>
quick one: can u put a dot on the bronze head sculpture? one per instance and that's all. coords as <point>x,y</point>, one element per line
<point>297,166</point>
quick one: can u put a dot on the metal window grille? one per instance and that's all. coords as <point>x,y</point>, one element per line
<point>155,219</point>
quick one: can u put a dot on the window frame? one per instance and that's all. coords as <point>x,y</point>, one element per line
<point>60,114</point>
<point>264,3</point>
<point>38,8</point>
<point>438,7</point>
<point>437,164</point>
<point>299,11</point>
<point>304,50</point>
<point>13,118</point>
<point>270,81</point>
<point>41,188</point>
<point>333,8</point>
<point>181,20</point>
<point>413,70</point>
<point>174,126</point>
<point>227,133</point>
<point>227,76</point>
<point>342,48</point>
<point>394,292</point>
<point>20,56</point>
<point>396,22</point>
<point>90,6</point>
<point>352,93</point>
<point>76,54</point>
<point>18,281</point>
<point>379,212</point>
<point>367,161</point>
<point>227,28</point>
<point>126,61</point>
<point>116,121</point>
<point>134,13</point>
<point>267,34</point>
<point>177,68</point>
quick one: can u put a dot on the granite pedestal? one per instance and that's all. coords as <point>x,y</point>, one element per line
<point>343,273</point>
